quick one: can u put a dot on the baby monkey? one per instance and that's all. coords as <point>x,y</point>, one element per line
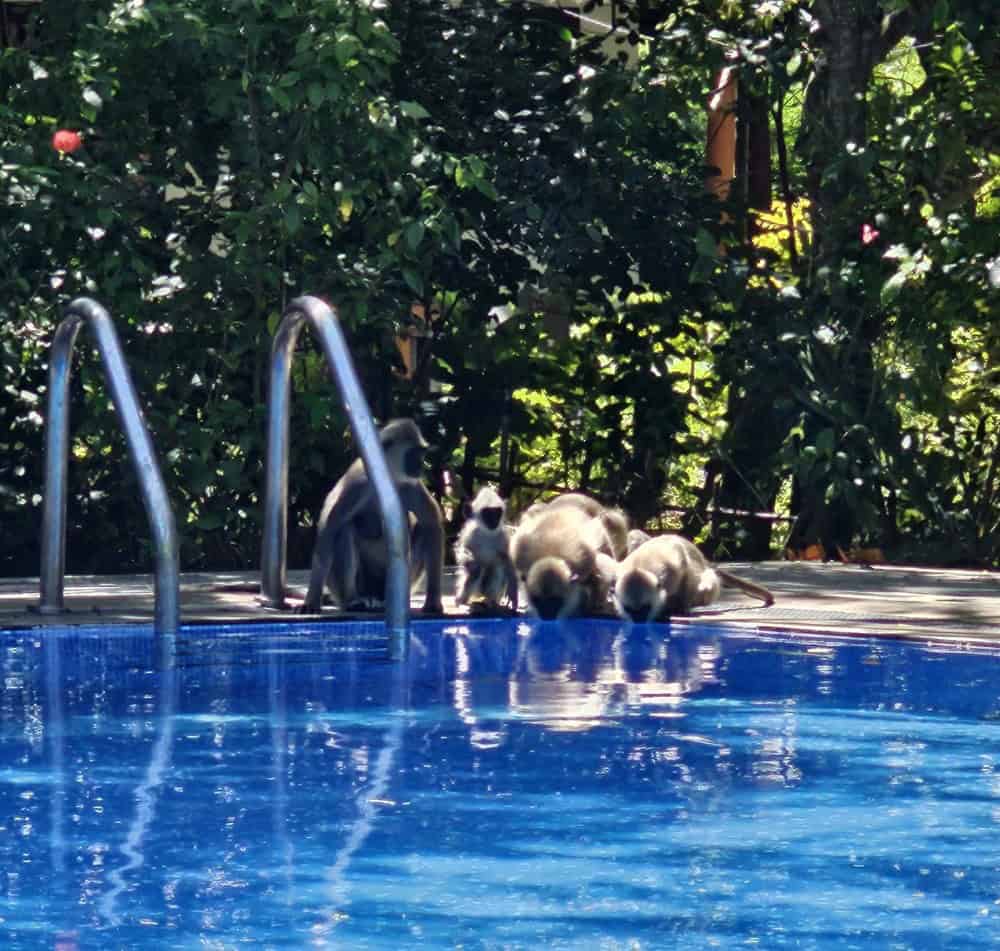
<point>482,553</point>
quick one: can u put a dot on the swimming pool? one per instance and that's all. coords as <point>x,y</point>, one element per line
<point>510,785</point>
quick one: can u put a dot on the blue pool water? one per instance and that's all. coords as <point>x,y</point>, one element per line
<point>509,786</point>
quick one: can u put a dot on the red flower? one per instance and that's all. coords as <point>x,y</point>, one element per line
<point>66,141</point>
<point>868,233</point>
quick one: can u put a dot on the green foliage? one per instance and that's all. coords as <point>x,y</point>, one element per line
<point>592,321</point>
<point>235,154</point>
<point>890,287</point>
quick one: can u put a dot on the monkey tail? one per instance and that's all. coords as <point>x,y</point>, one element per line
<point>747,587</point>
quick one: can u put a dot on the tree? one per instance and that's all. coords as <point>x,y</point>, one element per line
<point>234,154</point>
<point>527,194</point>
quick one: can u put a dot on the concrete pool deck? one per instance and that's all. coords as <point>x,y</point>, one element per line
<point>898,601</point>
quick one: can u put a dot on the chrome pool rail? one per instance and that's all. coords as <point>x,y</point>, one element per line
<point>166,575</point>
<point>325,324</point>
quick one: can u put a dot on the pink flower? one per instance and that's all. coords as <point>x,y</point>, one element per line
<point>66,140</point>
<point>868,233</point>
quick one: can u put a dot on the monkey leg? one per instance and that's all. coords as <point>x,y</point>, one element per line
<point>510,572</point>
<point>709,588</point>
<point>468,574</point>
<point>334,566</point>
<point>427,559</point>
<point>491,584</point>
<point>370,576</point>
<point>616,525</point>
<point>345,568</point>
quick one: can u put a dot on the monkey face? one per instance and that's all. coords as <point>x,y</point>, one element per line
<point>639,613</point>
<point>490,517</point>
<point>413,462</point>
<point>548,608</point>
<point>404,446</point>
<point>488,508</point>
<point>405,459</point>
<point>553,590</point>
<point>635,538</point>
<point>638,597</point>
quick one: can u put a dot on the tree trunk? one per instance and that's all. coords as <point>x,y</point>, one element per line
<point>749,475</point>
<point>852,39</point>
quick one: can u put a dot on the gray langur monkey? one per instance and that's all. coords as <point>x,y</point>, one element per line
<point>482,553</point>
<point>615,521</point>
<point>636,537</point>
<point>669,575</point>
<point>564,557</point>
<point>350,556</point>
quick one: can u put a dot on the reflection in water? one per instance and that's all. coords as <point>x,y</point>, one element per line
<point>572,680</point>
<point>55,730</point>
<point>368,801</point>
<point>481,737</point>
<point>277,690</point>
<point>547,687</point>
<point>147,790</point>
<point>511,784</point>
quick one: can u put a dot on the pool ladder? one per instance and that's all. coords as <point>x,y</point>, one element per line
<point>83,310</point>
<point>323,320</point>
<point>300,311</point>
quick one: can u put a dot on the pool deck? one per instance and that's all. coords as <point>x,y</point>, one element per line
<point>961,607</point>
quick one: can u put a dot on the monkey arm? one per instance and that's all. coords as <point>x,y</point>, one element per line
<point>511,574</point>
<point>468,577</point>
<point>428,539</point>
<point>747,587</point>
<point>469,573</point>
<point>603,581</point>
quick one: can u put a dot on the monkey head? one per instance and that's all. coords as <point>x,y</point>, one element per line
<point>404,447</point>
<point>488,508</point>
<point>553,589</point>
<point>635,538</point>
<point>638,596</point>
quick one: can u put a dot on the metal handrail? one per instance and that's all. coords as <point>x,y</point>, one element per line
<point>154,494</point>
<point>326,326</point>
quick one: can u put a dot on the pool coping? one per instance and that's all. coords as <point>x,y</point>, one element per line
<point>924,604</point>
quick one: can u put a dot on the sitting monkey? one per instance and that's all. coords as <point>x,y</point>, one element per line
<point>350,556</point>
<point>482,553</point>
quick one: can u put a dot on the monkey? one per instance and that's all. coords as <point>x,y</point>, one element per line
<point>564,557</point>
<point>350,555</point>
<point>482,552</point>
<point>635,538</point>
<point>668,575</point>
<point>615,521</point>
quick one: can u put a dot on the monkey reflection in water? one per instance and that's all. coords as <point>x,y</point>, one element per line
<point>571,679</point>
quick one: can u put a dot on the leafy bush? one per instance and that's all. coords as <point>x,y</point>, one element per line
<point>526,199</point>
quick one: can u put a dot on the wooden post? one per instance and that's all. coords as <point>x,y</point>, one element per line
<point>720,150</point>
